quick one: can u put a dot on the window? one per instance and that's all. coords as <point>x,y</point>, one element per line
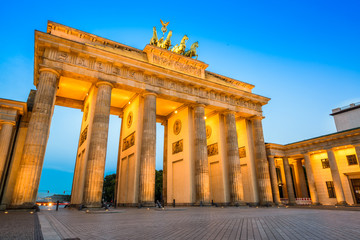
<point>351,159</point>
<point>331,189</point>
<point>325,163</point>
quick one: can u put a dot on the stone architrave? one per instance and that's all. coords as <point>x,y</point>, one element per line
<point>5,140</point>
<point>148,151</point>
<point>27,183</point>
<point>289,181</point>
<point>94,177</point>
<point>262,168</point>
<point>232,147</point>
<point>274,181</point>
<point>202,180</point>
<point>340,197</point>
<point>311,180</point>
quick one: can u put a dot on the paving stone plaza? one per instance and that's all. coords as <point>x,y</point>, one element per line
<point>185,223</point>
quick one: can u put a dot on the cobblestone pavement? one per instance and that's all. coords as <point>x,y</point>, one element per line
<point>206,223</point>
<point>19,225</point>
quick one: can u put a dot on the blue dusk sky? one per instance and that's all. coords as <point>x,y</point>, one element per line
<point>304,55</point>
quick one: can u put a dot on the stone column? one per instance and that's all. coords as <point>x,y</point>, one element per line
<point>94,176</point>
<point>274,181</point>
<point>300,180</point>
<point>289,181</point>
<point>232,152</point>
<point>262,168</point>
<point>5,140</point>
<point>357,150</point>
<point>311,180</point>
<point>27,183</point>
<point>202,180</point>
<point>148,151</point>
<point>340,197</point>
<point>165,123</point>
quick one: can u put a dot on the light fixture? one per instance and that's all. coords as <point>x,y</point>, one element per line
<point>129,102</point>
<point>205,117</point>
<point>176,111</point>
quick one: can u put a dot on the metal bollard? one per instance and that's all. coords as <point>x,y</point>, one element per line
<point>173,202</point>
<point>212,202</point>
<point>57,205</point>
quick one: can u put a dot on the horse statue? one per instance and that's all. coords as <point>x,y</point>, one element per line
<point>154,39</point>
<point>180,49</point>
<point>167,42</point>
<point>192,52</point>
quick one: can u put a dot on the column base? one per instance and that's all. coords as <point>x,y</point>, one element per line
<point>202,204</point>
<point>343,203</point>
<point>316,204</point>
<point>147,204</point>
<point>23,206</point>
<point>238,204</point>
<point>92,205</point>
<point>267,204</point>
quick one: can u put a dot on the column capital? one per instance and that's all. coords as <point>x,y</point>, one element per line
<point>146,93</point>
<point>10,122</point>
<point>227,111</point>
<point>99,83</point>
<point>256,117</point>
<point>271,156</point>
<point>50,70</point>
<point>198,105</point>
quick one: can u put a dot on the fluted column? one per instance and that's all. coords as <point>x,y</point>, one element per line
<point>202,181</point>
<point>5,140</point>
<point>274,181</point>
<point>27,183</point>
<point>289,181</point>
<point>340,197</point>
<point>262,168</point>
<point>232,152</point>
<point>165,123</point>
<point>94,176</point>
<point>148,151</point>
<point>357,150</point>
<point>311,180</point>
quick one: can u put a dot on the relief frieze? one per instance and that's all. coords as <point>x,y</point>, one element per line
<point>177,147</point>
<point>125,72</point>
<point>212,149</point>
<point>129,141</point>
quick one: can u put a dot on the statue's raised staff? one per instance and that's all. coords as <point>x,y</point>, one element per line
<point>192,52</point>
<point>180,49</point>
<point>167,43</point>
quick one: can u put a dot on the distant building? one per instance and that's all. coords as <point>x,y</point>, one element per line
<point>325,168</point>
<point>347,117</point>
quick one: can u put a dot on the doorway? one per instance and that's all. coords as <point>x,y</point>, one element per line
<point>356,188</point>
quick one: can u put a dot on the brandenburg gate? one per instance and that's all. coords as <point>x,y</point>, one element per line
<point>213,143</point>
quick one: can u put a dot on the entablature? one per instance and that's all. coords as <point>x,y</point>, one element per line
<point>72,57</point>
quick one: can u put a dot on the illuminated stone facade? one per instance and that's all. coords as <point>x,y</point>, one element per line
<point>214,147</point>
<point>325,169</point>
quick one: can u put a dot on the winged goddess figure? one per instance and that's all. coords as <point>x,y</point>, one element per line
<point>164,25</point>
